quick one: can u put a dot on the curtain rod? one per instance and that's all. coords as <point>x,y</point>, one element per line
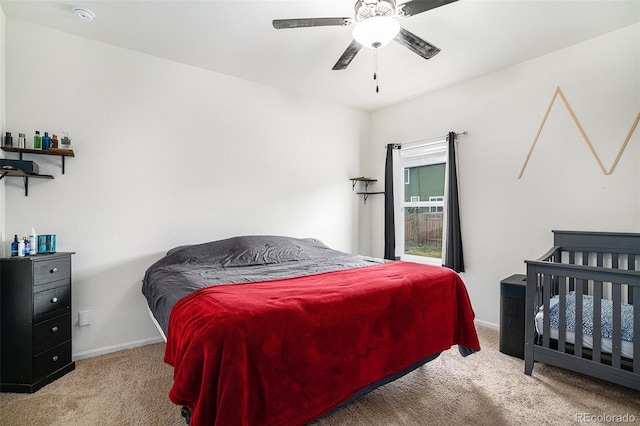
<point>425,141</point>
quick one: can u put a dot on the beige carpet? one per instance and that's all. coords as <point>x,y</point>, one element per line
<point>488,388</point>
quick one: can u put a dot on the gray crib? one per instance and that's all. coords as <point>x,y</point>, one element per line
<point>586,272</point>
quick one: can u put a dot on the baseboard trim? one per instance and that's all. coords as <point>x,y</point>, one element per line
<point>115,348</point>
<point>487,324</point>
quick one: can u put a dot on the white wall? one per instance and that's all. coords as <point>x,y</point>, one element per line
<point>2,126</point>
<point>166,154</point>
<point>506,220</point>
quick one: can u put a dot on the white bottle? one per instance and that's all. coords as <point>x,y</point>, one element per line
<point>33,242</point>
<point>21,248</point>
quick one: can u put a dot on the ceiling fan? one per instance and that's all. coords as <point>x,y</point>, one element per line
<point>375,26</point>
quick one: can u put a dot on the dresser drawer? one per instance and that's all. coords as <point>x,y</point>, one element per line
<point>52,301</point>
<point>52,332</point>
<point>52,360</point>
<point>48,270</point>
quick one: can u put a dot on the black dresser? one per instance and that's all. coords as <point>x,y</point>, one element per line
<point>35,321</point>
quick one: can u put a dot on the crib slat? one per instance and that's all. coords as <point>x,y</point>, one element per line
<point>562,315</point>
<point>636,332</point>
<point>572,261</point>
<point>597,321</point>
<point>578,330</point>
<point>631,265</point>
<point>546,294</point>
<point>617,325</point>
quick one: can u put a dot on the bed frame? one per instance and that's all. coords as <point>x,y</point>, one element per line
<point>604,265</point>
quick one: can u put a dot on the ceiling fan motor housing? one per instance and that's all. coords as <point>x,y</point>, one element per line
<point>366,9</point>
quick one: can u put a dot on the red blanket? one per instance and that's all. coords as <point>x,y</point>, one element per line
<point>285,352</point>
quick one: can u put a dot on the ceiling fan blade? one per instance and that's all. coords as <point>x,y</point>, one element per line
<point>414,7</point>
<point>416,44</point>
<point>310,22</point>
<point>347,56</point>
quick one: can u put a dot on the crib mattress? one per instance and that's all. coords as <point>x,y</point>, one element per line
<point>587,339</point>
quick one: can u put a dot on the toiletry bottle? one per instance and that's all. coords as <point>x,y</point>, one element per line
<point>46,141</point>
<point>65,142</point>
<point>8,139</point>
<point>37,140</point>
<point>14,246</point>
<point>54,141</point>
<point>27,246</point>
<point>22,140</point>
<point>33,242</point>
<point>21,248</point>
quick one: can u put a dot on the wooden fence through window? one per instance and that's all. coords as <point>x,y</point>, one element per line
<point>423,229</point>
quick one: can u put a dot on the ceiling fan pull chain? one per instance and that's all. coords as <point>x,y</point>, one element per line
<point>375,68</point>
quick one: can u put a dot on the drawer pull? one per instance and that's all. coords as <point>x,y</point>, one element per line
<point>54,270</point>
<point>54,330</point>
<point>54,300</point>
<point>54,358</point>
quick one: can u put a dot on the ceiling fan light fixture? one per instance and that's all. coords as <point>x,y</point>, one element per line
<point>376,32</point>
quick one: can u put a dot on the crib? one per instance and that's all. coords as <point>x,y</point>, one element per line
<point>586,272</point>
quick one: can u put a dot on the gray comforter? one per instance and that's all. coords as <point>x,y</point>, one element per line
<point>238,260</point>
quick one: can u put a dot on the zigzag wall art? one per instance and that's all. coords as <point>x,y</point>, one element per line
<point>584,135</point>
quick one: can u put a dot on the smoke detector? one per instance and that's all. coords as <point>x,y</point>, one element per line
<point>83,13</point>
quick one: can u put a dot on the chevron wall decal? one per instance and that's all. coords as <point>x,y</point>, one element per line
<point>584,135</point>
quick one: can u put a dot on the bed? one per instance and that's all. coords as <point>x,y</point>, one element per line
<point>271,330</point>
<point>582,274</point>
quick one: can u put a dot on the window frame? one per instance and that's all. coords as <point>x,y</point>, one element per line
<point>399,191</point>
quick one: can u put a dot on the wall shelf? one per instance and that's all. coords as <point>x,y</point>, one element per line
<point>11,172</point>
<point>366,181</point>
<point>62,153</point>
<point>366,194</point>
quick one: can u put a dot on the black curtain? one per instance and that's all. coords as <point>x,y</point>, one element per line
<point>453,258</point>
<point>389,223</point>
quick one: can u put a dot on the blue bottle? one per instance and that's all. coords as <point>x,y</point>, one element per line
<point>14,246</point>
<point>27,246</point>
<point>46,141</point>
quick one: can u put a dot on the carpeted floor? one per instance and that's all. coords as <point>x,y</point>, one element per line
<point>488,388</point>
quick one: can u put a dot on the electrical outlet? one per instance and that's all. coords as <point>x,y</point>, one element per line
<point>84,318</point>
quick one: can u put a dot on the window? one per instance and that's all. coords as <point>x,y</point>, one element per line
<point>420,232</point>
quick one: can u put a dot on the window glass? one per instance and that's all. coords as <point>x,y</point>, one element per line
<point>423,200</point>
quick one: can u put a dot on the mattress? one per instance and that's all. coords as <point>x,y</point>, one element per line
<point>587,338</point>
<point>237,260</point>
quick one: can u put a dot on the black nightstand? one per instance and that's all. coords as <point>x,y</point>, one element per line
<point>513,294</point>
<point>35,321</point>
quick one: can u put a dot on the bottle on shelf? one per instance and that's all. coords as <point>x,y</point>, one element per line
<point>46,141</point>
<point>33,242</point>
<point>14,246</point>
<point>37,140</point>
<point>8,139</point>
<point>27,246</point>
<point>22,140</point>
<point>65,142</point>
<point>21,248</point>
<point>54,141</point>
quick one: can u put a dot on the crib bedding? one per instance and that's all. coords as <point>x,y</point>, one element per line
<point>587,323</point>
<point>276,331</point>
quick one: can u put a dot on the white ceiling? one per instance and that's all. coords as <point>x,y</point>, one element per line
<point>237,38</point>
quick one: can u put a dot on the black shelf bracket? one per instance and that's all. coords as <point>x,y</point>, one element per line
<point>61,156</point>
